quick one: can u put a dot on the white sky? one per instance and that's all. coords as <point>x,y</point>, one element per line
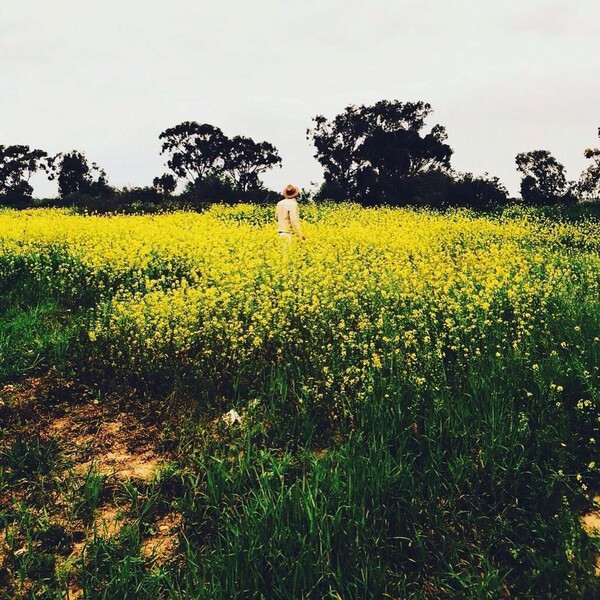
<point>107,76</point>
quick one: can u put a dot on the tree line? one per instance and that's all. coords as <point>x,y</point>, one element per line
<point>378,154</point>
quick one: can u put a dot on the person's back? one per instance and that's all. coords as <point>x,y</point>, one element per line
<point>286,213</point>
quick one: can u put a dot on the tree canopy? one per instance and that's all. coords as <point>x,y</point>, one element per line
<point>17,164</point>
<point>195,150</point>
<point>544,178</point>
<point>203,153</point>
<point>246,159</point>
<point>370,153</point>
<point>76,176</point>
<point>589,182</point>
<point>477,192</point>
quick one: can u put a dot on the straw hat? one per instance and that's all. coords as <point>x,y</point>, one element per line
<point>290,191</point>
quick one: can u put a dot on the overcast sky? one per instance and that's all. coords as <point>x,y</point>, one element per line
<point>106,77</point>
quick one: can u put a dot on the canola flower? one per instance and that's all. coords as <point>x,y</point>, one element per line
<point>215,296</point>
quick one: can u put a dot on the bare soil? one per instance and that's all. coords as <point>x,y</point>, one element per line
<point>162,542</point>
<point>116,435</point>
<point>591,524</point>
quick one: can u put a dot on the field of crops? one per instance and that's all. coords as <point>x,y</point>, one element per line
<point>411,402</point>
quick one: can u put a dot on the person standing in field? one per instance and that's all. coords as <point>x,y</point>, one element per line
<point>286,213</point>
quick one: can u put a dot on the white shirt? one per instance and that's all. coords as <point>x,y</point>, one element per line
<point>286,215</point>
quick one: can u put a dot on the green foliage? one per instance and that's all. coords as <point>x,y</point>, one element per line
<point>544,179</point>
<point>211,162</point>
<point>76,177</point>
<point>113,568</point>
<point>87,493</point>
<point>467,484</point>
<point>369,153</point>
<point>17,165</point>
<point>33,334</point>
<point>27,458</point>
<point>445,496</point>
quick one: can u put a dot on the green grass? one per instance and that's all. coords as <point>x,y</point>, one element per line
<point>87,493</point>
<point>34,334</point>
<point>455,496</point>
<point>458,503</point>
<point>28,457</point>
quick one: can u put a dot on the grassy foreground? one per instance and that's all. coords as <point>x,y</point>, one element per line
<point>414,397</point>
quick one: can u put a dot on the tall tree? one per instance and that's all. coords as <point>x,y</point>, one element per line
<point>246,159</point>
<point>195,150</point>
<point>544,178</point>
<point>370,153</point>
<point>204,156</point>
<point>589,181</point>
<point>76,176</point>
<point>17,164</point>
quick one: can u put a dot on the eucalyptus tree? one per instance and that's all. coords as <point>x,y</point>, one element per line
<point>544,178</point>
<point>202,153</point>
<point>377,153</point>
<point>589,181</point>
<point>17,164</point>
<point>75,175</point>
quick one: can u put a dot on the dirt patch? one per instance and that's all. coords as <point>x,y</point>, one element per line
<point>122,436</point>
<point>39,394</point>
<point>591,525</point>
<point>4,551</point>
<point>74,592</point>
<point>108,521</point>
<point>115,444</point>
<point>115,433</point>
<point>161,543</point>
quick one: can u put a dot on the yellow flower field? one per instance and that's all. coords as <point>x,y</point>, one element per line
<point>218,295</point>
